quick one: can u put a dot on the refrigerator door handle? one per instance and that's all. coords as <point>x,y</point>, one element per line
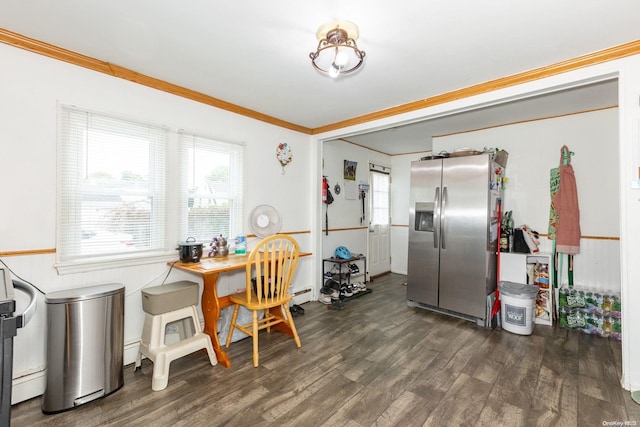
<point>436,221</point>
<point>442,215</point>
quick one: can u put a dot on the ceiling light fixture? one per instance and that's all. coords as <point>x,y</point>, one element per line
<point>337,52</point>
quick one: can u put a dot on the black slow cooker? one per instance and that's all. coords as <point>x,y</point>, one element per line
<point>190,250</point>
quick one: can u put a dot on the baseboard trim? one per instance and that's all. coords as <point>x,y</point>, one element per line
<point>303,295</point>
<point>28,386</point>
<point>371,278</point>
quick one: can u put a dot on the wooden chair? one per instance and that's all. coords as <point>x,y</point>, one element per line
<point>273,262</point>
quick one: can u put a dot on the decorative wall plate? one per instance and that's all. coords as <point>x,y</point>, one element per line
<point>284,154</point>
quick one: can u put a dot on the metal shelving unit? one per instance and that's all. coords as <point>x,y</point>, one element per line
<point>347,274</point>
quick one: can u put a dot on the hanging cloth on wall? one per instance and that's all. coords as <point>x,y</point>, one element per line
<point>565,202</point>
<point>565,235</point>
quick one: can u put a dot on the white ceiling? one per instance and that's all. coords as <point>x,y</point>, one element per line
<point>255,54</point>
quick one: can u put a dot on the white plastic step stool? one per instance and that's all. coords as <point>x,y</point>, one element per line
<point>163,305</point>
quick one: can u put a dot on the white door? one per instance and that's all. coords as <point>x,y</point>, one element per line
<point>379,260</point>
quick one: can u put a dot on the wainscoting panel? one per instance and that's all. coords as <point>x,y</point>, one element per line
<point>596,266</point>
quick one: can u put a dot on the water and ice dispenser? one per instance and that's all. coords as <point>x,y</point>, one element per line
<point>424,217</point>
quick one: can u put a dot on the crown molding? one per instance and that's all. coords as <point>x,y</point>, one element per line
<point>55,52</point>
<point>52,51</point>
<point>616,52</point>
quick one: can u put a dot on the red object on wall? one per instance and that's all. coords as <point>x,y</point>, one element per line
<point>325,185</point>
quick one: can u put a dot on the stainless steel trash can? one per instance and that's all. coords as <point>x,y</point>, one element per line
<point>85,345</point>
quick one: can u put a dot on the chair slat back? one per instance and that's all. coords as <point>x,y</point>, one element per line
<point>270,269</point>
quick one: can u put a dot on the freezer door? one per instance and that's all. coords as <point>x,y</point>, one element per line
<point>424,232</point>
<point>465,258</point>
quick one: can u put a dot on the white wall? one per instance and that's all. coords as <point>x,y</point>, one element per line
<point>30,90</point>
<point>629,158</point>
<point>534,148</point>
<point>400,183</point>
<point>345,213</point>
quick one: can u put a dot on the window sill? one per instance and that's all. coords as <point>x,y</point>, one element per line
<point>105,263</point>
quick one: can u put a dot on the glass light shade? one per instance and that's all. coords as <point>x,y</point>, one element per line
<point>334,71</point>
<point>337,52</point>
<point>342,58</point>
<point>328,58</point>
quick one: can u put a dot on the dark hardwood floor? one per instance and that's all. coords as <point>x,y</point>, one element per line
<point>376,362</point>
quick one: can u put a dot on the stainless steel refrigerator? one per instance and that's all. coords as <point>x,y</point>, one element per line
<point>453,230</point>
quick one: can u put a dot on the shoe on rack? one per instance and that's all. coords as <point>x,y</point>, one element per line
<point>331,286</point>
<point>355,288</point>
<point>325,295</point>
<point>354,268</point>
<point>345,291</point>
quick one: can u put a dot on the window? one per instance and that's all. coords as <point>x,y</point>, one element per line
<point>379,198</point>
<point>111,187</point>
<point>123,198</point>
<point>213,172</point>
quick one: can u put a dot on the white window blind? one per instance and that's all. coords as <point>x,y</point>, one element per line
<point>111,186</point>
<point>213,173</point>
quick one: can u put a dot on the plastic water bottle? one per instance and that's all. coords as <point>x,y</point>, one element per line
<point>241,245</point>
<point>562,296</point>
<point>563,312</point>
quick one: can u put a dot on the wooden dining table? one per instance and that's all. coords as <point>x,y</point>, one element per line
<point>211,303</point>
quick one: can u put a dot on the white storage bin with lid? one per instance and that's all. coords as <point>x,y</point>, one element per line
<point>518,302</point>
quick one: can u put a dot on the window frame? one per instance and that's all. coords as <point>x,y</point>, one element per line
<point>237,152</point>
<point>173,218</point>
<point>374,190</point>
